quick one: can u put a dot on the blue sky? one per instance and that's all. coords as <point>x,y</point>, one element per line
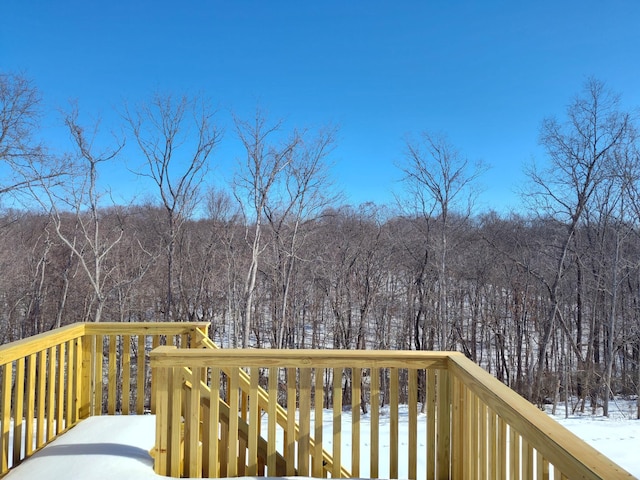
<point>484,72</point>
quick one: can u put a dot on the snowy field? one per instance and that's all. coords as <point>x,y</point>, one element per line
<point>118,447</point>
<point>617,437</point>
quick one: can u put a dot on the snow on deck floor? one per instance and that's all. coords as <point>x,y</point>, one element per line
<point>97,448</point>
<point>111,447</point>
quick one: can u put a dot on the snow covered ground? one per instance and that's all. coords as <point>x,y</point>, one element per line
<point>118,447</point>
<point>617,437</point>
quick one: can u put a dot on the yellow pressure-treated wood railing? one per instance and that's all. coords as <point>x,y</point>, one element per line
<point>476,427</point>
<point>49,382</point>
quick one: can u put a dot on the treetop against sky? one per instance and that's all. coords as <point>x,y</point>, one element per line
<point>484,73</point>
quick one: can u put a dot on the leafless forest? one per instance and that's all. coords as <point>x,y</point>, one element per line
<point>547,299</point>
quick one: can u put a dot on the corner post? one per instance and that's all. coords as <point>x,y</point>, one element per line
<point>160,387</point>
<point>443,449</point>
<point>85,387</point>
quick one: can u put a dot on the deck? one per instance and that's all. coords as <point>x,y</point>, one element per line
<point>234,413</point>
<point>105,447</point>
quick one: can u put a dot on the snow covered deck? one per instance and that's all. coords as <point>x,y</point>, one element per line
<point>105,447</point>
<point>109,447</point>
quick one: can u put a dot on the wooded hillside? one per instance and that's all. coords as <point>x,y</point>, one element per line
<point>547,299</point>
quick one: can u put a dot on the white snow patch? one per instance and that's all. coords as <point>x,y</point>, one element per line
<point>110,447</point>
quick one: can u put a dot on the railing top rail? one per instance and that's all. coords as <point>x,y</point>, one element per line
<point>27,346</point>
<point>575,458</point>
<point>144,328</point>
<point>171,357</point>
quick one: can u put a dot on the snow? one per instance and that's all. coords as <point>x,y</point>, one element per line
<point>616,436</point>
<point>110,447</point>
<point>97,448</point>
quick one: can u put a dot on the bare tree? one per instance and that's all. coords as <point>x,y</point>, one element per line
<point>266,160</point>
<point>176,138</point>
<point>440,181</point>
<point>580,152</point>
<point>304,191</point>
<point>82,230</point>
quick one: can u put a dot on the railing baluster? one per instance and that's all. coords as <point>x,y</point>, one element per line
<point>175,424</point>
<point>431,399</point>
<point>318,399</point>
<point>51,391</point>
<point>527,470</point>
<point>214,422</point>
<point>374,375</point>
<point>413,424</point>
<point>194,457</point>
<point>155,343</point>
<point>5,415</point>
<point>126,374</point>
<point>337,422</point>
<point>140,375</point>
<point>493,444</point>
<point>70,390</point>
<point>356,385</point>
<point>271,418</point>
<point>515,451</point>
<point>112,367</point>
<point>304,422</point>
<point>42,393</point>
<point>232,461</point>
<point>484,447</point>
<point>18,409</point>
<point>471,434</point>
<point>30,403</point>
<point>290,437</point>
<point>394,399</point>
<point>254,419</point>
<point>60,389</point>
<point>98,379</point>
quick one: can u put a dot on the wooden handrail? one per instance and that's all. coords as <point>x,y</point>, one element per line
<point>264,404</point>
<point>53,380</point>
<point>22,348</point>
<point>574,457</point>
<point>482,429</point>
<point>476,426</point>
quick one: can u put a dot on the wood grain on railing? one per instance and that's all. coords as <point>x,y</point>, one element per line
<point>535,444</point>
<point>39,388</point>
<point>51,381</point>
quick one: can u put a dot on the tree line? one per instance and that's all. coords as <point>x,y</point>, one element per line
<point>547,299</point>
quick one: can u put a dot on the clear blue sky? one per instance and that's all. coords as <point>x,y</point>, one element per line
<point>483,72</point>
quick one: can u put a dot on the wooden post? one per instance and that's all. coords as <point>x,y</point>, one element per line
<point>31,402</point>
<point>444,425</point>
<point>84,403</point>
<point>290,443</point>
<point>304,422</point>
<point>374,464</point>
<point>5,415</point>
<point>126,374</point>
<point>394,399</point>
<point>413,423</point>
<point>337,422</point>
<point>18,409</point>
<point>254,419</point>
<point>271,419</point>
<point>161,376</point>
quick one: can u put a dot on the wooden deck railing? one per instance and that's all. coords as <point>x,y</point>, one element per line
<point>473,426</point>
<point>51,381</point>
<point>225,412</point>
